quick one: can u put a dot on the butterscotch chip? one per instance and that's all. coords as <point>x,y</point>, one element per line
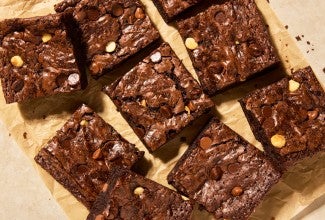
<point>278,140</point>
<point>237,191</point>
<point>110,47</point>
<point>187,109</point>
<point>143,103</point>
<point>105,187</point>
<point>100,217</point>
<point>138,191</point>
<point>97,154</point>
<point>191,106</point>
<point>185,198</point>
<point>46,38</point>
<point>84,123</point>
<point>117,10</point>
<point>293,85</point>
<point>139,14</point>
<point>17,61</point>
<point>190,43</point>
<point>312,114</point>
<point>205,143</point>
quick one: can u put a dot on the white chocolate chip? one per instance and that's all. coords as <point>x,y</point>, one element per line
<point>293,85</point>
<point>46,38</point>
<point>17,61</point>
<point>73,79</point>
<point>187,109</point>
<point>278,140</point>
<point>84,123</point>
<point>185,198</point>
<point>110,47</point>
<point>237,42</point>
<point>190,43</point>
<point>138,191</point>
<point>156,57</point>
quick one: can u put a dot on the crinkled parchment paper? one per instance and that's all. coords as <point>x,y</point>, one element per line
<point>39,119</point>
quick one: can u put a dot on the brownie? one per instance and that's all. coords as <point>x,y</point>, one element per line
<point>158,97</point>
<point>130,196</point>
<point>288,117</point>
<point>37,58</point>
<point>112,31</point>
<point>80,154</point>
<point>169,9</point>
<point>227,43</point>
<point>224,173</point>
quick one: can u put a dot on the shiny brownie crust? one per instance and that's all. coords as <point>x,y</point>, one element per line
<point>233,44</point>
<point>298,116</point>
<point>224,173</point>
<point>80,154</point>
<point>133,197</point>
<point>123,22</point>
<point>158,97</point>
<point>48,67</point>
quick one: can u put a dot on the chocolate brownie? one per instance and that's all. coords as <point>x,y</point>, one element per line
<point>227,43</point>
<point>79,155</point>
<point>37,58</point>
<point>158,97</point>
<point>171,8</point>
<point>288,117</point>
<point>129,196</point>
<point>224,173</point>
<point>112,31</point>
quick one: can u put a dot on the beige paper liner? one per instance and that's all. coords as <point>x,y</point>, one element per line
<point>41,118</point>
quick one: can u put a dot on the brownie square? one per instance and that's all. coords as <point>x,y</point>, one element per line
<point>37,58</point>
<point>158,97</point>
<point>171,8</point>
<point>227,43</point>
<point>129,196</point>
<point>288,117</point>
<point>224,173</point>
<point>112,31</point>
<point>80,154</point>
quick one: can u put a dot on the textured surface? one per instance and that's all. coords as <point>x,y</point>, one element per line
<point>171,8</point>
<point>120,200</point>
<point>123,22</point>
<point>79,155</point>
<point>233,44</point>
<point>299,116</point>
<point>48,67</point>
<point>217,162</point>
<point>158,97</point>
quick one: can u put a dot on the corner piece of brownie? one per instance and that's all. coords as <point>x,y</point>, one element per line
<point>158,97</point>
<point>288,117</point>
<point>112,31</point>
<point>227,43</point>
<point>224,173</point>
<point>129,196</point>
<point>37,58</point>
<point>80,154</point>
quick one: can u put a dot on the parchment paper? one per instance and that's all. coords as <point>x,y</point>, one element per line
<point>33,123</point>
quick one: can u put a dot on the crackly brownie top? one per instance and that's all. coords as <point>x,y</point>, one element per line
<point>291,111</point>
<point>230,43</point>
<point>159,97</point>
<point>174,7</point>
<point>84,147</point>
<point>131,196</point>
<point>111,30</point>
<point>36,58</point>
<point>224,173</point>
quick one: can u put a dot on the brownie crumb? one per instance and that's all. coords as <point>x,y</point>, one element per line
<point>307,51</point>
<point>308,42</point>
<point>183,139</point>
<point>312,49</point>
<point>298,38</point>
<point>10,133</point>
<point>302,35</point>
<point>286,45</point>
<point>44,116</point>
<point>268,1</point>
<point>324,70</point>
<point>25,135</point>
<point>286,27</point>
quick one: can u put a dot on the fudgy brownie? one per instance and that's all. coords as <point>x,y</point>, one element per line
<point>129,196</point>
<point>171,8</point>
<point>37,58</point>
<point>112,31</point>
<point>227,43</point>
<point>158,97</point>
<point>288,117</point>
<point>79,155</point>
<point>224,173</point>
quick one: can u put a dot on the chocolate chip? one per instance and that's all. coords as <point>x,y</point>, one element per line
<point>312,114</point>
<point>139,131</point>
<point>117,10</point>
<point>165,111</point>
<point>216,68</point>
<point>73,79</point>
<point>216,173</point>
<point>219,16</point>
<point>18,85</point>
<point>233,168</point>
<point>205,143</point>
<point>81,169</point>
<point>93,14</point>
<point>139,13</point>
<point>255,50</point>
<point>97,154</point>
<point>286,26</point>
<point>237,191</point>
